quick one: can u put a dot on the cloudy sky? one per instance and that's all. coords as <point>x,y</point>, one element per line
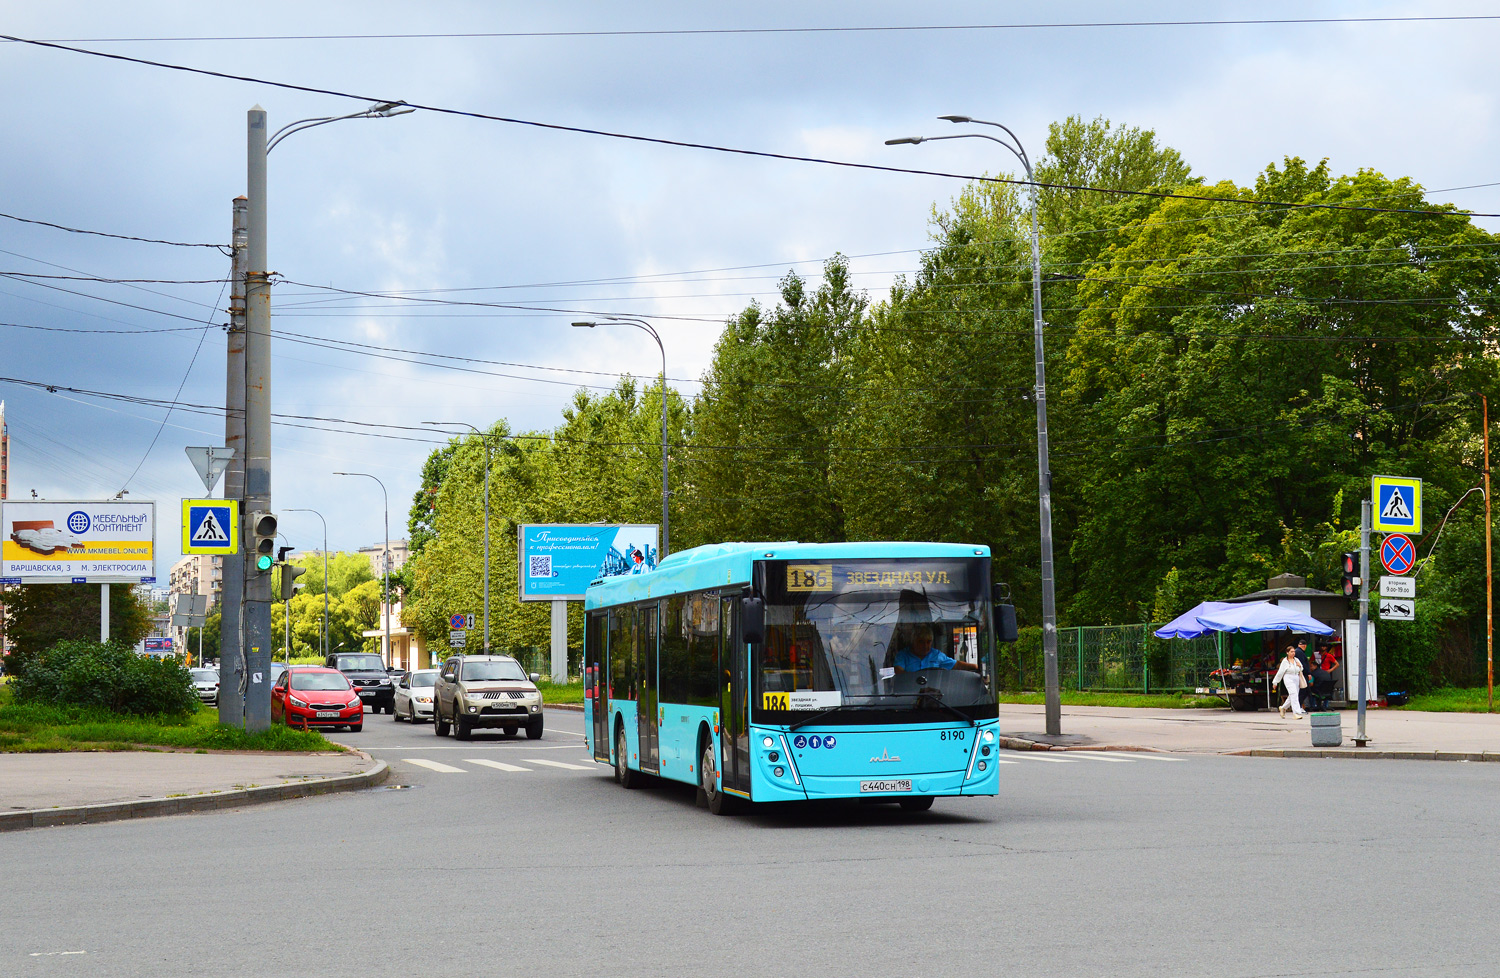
<point>442,206</point>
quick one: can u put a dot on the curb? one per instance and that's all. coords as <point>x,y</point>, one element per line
<point>146,808</point>
<point>572,707</point>
<point>1385,755</point>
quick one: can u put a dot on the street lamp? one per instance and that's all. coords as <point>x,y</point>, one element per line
<point>486,439</point>
<point>251,372</point>
<point>1044,472</point>
<point>642,324</point>
<point>325,573</point>
<point>386,568</point>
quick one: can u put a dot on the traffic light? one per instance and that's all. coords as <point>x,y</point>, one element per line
<point>263,540</point>
<point>289,575</point>
<point>1351,573</point>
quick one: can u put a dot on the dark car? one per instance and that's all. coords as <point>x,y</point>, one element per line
<point>367,673</point>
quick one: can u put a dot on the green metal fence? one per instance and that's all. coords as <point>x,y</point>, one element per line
<point>1115,659</point>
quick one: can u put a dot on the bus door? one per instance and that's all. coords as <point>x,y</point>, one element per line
<point>735,740</point>
<point>595,662</point>
<point>645,704</point>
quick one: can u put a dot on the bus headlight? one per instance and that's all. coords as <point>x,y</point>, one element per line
<point>983,765</point>
<point>779,772</point>
<point>766,741</point>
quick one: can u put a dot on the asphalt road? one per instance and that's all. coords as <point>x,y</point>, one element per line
<point>509,856</point>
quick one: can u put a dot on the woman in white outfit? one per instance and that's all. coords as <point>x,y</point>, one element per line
<point>1290,673</point>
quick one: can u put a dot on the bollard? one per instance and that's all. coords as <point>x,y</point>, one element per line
<point>1327,730</point>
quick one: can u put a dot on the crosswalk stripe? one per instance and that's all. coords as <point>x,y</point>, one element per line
<point>570,767</point>
<point>1110,758</point>
<point>1141,755</point>
<point>434,766</point>
<point>1044,757</point>
<point>497,765</point>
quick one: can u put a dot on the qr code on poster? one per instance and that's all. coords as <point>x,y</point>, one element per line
<point>541,566</point>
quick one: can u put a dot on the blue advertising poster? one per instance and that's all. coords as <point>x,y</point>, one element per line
<point>558,560</point>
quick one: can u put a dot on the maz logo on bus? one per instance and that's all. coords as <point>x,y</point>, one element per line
<point>885,755</point>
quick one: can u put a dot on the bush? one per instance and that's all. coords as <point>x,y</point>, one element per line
<point>110,677</point>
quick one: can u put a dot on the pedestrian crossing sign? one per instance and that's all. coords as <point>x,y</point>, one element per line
<point>210,526</point>
<point>1398,504</point>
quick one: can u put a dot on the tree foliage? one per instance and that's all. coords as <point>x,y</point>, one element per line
<point>38,616</point>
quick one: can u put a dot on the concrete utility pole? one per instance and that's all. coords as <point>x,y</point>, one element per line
<point>256,612</point>
<point>1360,739</point>
<point>231,659</point>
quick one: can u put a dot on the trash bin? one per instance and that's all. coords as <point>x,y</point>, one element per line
<point>1327,729</point>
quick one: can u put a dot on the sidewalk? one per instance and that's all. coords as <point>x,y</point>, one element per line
<point>95,786</point>
<point>1392,733</point>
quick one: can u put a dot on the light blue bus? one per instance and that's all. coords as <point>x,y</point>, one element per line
<point>765,672</point>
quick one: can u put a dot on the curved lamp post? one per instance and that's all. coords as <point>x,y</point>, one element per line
<point>1044,472</point>
<point>642,324</point>
<point>386,567</point>
<point>325,572</point>
<point>486,439</point>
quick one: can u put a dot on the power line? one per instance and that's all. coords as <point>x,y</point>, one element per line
<point>730,31</point>
<point>761,154</point>
<point>224,249</point>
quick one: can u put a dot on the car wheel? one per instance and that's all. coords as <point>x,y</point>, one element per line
<point>709,795</point>
<point>356,727</point>
<point>916,804</point>
<point>411,716</point>
<point>439,725</point>
<point>510,731</point>
<point>461,728</point>
<point>395,717</point>
<point>624,776</point>
<point>534,729</point>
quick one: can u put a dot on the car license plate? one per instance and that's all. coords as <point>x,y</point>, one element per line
<point>367,692</point>
<point>325,714</point>
<point>901,784</point>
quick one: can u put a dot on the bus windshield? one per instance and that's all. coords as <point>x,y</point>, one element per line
<point>907,634</point>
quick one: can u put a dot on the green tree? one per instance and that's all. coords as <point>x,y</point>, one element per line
<point>38,616</point>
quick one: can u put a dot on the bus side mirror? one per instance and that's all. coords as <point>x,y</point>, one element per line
<point>753,617</point>
<point>1005,623</point>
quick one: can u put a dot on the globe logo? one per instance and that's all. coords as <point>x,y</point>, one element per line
<point>78,521</point>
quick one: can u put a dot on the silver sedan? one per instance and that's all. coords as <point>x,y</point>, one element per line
<point>414,695</point>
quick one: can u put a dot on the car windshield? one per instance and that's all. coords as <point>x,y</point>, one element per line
<point>895,634</point>
<point>318,680</point>
<point>205,675</point>
<point>427,677</point>
<point>361,663</point>
<point>497,669</point>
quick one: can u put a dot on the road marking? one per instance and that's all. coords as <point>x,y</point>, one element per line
<point>470,747</point>
<point>1093,756</point>
<point>497,765</point>
<point>570,767</point>
<point>51,954</point>
<point>434,766</point>
<point>1144,756</point>
<point>1050,760</point>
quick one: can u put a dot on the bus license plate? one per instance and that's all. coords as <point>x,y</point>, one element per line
<point>866,787</point>
<point>325,714</point>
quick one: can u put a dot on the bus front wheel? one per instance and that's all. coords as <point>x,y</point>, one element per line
<point>918,804</point>
<point>709,794</point>
<point>623,774</point>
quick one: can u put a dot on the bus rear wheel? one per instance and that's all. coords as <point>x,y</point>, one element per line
<point>920,804</point>
<point>623,774</point>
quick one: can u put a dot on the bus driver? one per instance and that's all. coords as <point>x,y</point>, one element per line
<point>921,655</point>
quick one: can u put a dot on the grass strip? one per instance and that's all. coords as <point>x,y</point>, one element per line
<point>1151,701</point>
<point>28,728</point>
<point>560,692</point>
<point>1449,700</point>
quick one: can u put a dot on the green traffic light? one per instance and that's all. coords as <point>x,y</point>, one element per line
<point>263,562</point>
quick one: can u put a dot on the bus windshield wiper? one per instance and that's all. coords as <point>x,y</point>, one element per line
<point>938,701</point>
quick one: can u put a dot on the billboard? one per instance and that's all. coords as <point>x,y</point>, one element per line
<point>90,542</point>
<point>558,560</point>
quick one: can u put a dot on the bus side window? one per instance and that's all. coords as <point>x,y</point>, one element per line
<point>674,651</point>
<point>621,654</point>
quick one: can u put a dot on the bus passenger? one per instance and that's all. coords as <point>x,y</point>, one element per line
<point>921,655</point>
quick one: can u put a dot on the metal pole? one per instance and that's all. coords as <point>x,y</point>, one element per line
<point>1044,466</point>
<point>1489,583</point>
<point>103,614</point>
<point>1360,739</point>
<point>231,625</point>
<point>257,600</point>
<point>665,491</point>
<point>386,570</point>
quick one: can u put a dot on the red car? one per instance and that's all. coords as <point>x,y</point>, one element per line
<point>313,696</point>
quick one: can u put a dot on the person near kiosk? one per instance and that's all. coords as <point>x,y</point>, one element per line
<point>1291,674</point>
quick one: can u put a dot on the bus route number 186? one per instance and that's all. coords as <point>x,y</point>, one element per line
<point>809,577</point>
